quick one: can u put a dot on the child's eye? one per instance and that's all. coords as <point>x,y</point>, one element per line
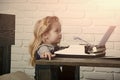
<point>56,31</point>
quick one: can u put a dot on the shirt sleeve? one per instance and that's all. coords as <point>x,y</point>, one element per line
<point>43,49</point>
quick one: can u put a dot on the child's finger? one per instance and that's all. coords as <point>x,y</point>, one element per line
<point>49,56</point>
<point>45,55</point>
<point>53,55</point>
<point>42,56</point>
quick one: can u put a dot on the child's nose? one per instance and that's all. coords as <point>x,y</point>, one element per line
<point>60,34</point>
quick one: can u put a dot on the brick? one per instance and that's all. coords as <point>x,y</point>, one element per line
<point>44,1</point>
<point>16,57</point>
<point>24,36</point>
<point>25,65</point>
<point>64,43</point>
<point>103,69</point>
<point>19,50</point>
<point>86,68</point>
<point>72,42</point>
<point>28,29</point>
<point>116,76</point>
<point>31,76</point>
<point>71,29</point>
<point>98,37</point>
<point>100,14</point>
<point>81,75</point>
<point>117,30</point>
<point>24,21</point>
<point>19,28</point>
<point>117,14</point>
<point>70,14</point>
<point>23,7</point>
<point>12,1</point>
<point>104,22</point>
<point>95,29</point>
<point>17,69</point>
<point>86,22</point>
<point>73,1</point>
<point>76,7</point>
<point>76,22</point>
<point>18,43</point>
<point>3,6</point>
<point>51,7</point>
<point>19,64</point>
<point>117,45</point>
<point>109,45</point>
<point>42,14</point>
<point>26,57</point>
<point>98,75</point>
<point>87,37</point>
<point>90,8</point>
<point>26,43</point>
<point>113,5</point>
<point>68,38</point>
<point>33,15</point>
<point>25,14</point>
<point>114,37</point>
<point>29,66</point>
<point>71,22</point>
<point>113,53</point>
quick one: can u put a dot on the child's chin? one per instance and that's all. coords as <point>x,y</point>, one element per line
<point>58,42</point>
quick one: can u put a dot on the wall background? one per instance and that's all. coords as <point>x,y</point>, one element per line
<point>88,19</point>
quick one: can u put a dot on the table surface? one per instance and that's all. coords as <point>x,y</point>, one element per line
<point>92,62</point>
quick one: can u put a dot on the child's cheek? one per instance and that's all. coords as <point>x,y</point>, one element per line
<point>53,38</point>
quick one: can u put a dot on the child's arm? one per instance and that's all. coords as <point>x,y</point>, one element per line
<point>62,47</point>
<point>45,53</point>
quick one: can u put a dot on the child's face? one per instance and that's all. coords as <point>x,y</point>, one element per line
<point>54,35</point>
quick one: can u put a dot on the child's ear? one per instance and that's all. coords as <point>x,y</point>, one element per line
<point>45,36</point>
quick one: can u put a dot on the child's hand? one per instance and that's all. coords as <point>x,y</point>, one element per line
<point>100,48</point>
<point>95,49</point>
<point>47,55</point>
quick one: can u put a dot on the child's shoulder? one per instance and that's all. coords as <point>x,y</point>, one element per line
<point>45,47</point>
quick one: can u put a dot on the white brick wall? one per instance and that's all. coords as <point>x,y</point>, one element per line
<point>98,75</point>
<point>90,19</point>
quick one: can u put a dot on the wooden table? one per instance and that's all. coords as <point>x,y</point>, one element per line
<point>92,62</point>
<point>95,62</point>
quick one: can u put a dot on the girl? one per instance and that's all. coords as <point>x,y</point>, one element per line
<point>47,35</point>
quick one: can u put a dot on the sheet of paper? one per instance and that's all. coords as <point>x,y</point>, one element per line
<point>73,50</point>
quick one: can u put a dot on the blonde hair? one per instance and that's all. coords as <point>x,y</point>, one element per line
<point>41,27</point>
